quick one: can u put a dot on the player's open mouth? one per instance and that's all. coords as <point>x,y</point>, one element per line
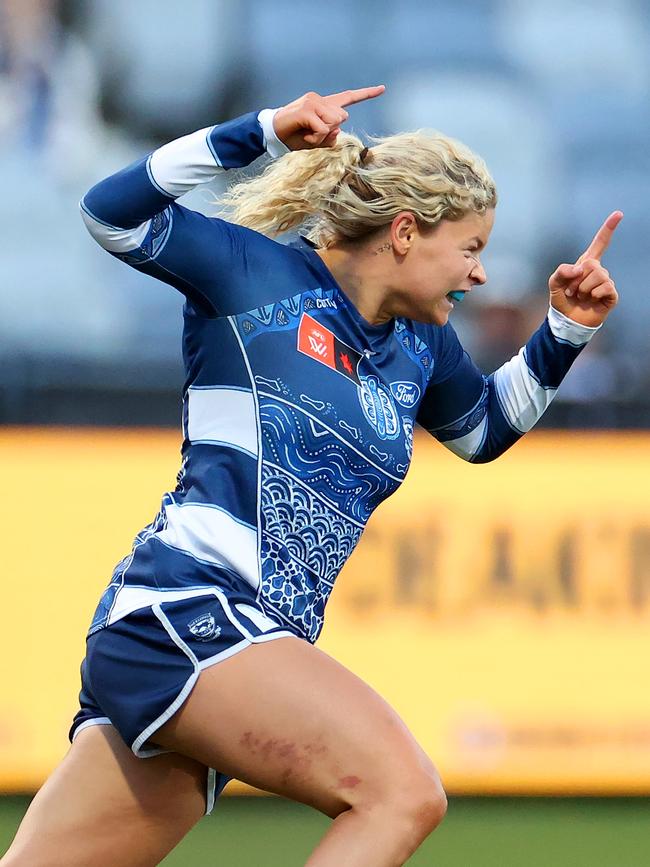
<point>456,296</point>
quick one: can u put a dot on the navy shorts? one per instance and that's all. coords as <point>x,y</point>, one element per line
<point>138,671</point>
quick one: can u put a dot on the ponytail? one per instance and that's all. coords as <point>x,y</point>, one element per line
<point>347,191</point>
<point>292,190</point>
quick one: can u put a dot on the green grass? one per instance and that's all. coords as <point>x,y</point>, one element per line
<point>478,832</point>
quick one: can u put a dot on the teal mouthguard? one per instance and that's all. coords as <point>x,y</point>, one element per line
<point>457,296</point>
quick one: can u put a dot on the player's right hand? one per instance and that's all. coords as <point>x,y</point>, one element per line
<point>314,121</point>
<point>585,292</point>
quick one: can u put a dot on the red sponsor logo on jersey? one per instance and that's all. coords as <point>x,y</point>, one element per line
<point>316,341</point>
<point>319,343</point>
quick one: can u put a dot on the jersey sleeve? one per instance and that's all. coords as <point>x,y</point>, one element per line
<point>479,417</point>
<point>133,213</point>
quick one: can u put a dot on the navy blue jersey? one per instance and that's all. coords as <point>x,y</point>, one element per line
<point>298,414</point>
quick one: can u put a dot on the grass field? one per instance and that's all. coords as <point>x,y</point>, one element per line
<point>500,832</point>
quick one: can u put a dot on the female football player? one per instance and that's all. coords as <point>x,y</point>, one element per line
<point>308,365</point>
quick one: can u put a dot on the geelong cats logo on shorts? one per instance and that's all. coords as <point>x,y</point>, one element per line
<point>204,627</point>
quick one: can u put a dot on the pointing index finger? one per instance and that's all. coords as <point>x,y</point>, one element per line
<point>602,237</point>
<point>350,97</point>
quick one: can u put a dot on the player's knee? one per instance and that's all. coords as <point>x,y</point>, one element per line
<point>423,803</point>
<point>415,800</point>
<point>415,806</point>
<point>420,809</point>
<point>409,800</point>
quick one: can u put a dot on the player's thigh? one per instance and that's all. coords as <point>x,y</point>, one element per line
<point>103,806</point>
<point>287,718</point>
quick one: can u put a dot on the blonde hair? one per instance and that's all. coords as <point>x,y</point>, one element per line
<point>347,191</point>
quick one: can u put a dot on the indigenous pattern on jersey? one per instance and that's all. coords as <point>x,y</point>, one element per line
<point>298,414</point>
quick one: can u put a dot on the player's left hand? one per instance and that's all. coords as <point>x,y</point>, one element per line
<point>585,292</point>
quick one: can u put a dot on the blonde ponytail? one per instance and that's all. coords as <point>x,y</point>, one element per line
<point>293,189</point>
<point>345,192</point>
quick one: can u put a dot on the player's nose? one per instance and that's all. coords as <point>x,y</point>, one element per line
<point>478,274</point>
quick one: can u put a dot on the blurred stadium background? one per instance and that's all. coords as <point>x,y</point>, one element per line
<point>519,649</point>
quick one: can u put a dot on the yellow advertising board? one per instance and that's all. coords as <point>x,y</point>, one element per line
<point>504,610</point>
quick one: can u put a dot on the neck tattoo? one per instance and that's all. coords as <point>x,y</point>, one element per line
<point>382,249</point>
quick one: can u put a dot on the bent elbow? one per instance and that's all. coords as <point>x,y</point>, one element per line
<point>112,238</point>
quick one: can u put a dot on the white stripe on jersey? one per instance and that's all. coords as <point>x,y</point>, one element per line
<point>261,620</point>
<point>175,169</point>
<point>274,146</point>
<point>567,331</point>
<point>213,535</point>
<point>131,598</point>
<point>181,165</point>
<point>112,238</point>
<point>467,446</point>
<point>521,397</point>
<point>222,415</point>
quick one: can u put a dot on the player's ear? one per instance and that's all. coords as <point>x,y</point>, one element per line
<point>402,232</point>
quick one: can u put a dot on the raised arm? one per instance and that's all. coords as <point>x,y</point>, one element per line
<point>478,417</point>
<point>133,215</point>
